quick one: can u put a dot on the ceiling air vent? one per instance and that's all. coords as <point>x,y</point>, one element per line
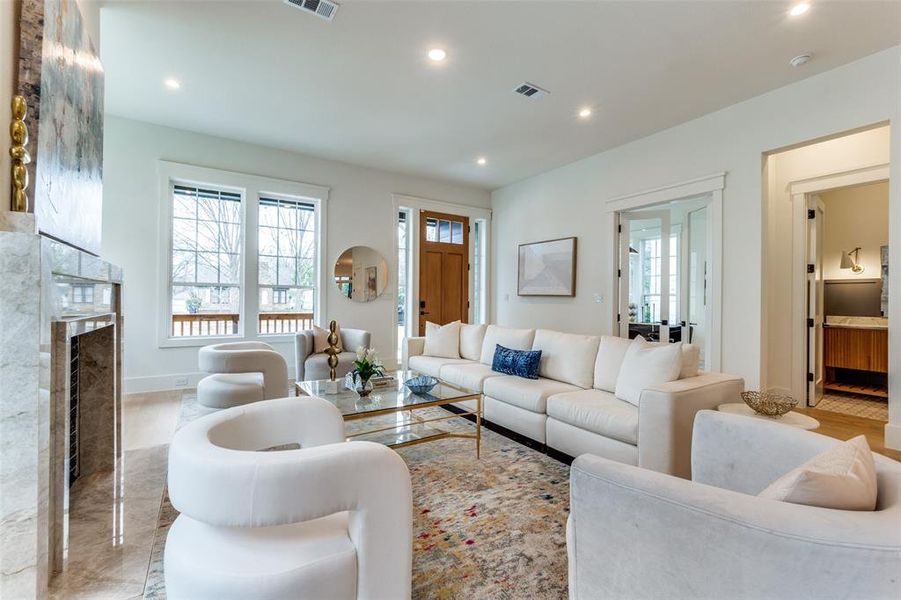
<point>530,91</point>
<point>324,9</point>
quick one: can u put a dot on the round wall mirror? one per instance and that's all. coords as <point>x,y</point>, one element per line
<point>361,274</point>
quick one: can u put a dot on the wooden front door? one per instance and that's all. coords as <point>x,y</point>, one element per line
<point>443,268</point>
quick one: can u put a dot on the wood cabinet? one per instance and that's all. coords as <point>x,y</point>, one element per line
<point>860,349</point>
<point>856,359</point>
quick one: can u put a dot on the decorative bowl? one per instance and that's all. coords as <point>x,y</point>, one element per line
<point>769,404</point>
<point>422,384</point>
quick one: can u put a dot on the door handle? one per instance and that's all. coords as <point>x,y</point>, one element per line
<point>422,312</point>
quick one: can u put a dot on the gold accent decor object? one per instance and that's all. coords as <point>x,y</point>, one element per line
<point>332,350</point>
<point>19,154</point>
<point>769,404</point>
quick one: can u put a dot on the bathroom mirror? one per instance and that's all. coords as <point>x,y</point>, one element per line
<point>361,274</point>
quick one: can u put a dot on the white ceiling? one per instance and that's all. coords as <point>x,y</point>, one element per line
<point>359,89</point>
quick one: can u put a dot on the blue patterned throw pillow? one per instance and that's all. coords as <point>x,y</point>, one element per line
<point>522,363</point>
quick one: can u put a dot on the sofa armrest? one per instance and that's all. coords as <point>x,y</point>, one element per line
<point>666,416</point>
<point>413,346</point>
<point>634,533</point>
<point>352,339</point>
<point>303,347</point>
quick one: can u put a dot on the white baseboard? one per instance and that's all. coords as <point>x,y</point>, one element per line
<point>893,436</point>
<point>165,383</point>
<point>161,383</point>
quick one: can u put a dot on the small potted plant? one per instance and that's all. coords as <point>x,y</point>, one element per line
<point>193,303</point>
<point>366,366</point>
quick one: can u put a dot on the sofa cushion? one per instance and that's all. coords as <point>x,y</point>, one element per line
<point>567,357</point>
<point>517,339</point>
<point>646,365</point>
<point>611,352</point>
<point>522,363</point>
<point>596,411</point>
<point>431,365</point>
<point>691,358</point>
<point>442,340</point>
<point>471,338</point>
<point>530,394</point>
<point>320,339</point>
<point>469,376</point>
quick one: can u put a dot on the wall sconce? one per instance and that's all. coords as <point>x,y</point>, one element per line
<point>853,264</point>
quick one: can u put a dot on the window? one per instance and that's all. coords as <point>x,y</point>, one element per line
<point>403,265</point>
<point>82,293</point>
<point>650,279</point>
<point>478,267</point>
<point>206,261</point>
<point>445,232</point>
<point>287,264</point>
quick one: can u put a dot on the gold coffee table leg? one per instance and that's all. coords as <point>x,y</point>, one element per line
<point>479,427</point>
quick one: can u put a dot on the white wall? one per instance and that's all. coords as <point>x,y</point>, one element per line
<point>571,201</point>
<point>855,217</point>
<point>359,212</point>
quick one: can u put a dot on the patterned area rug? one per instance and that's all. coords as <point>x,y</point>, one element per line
<point>492,528</point>
<point>856,405</point>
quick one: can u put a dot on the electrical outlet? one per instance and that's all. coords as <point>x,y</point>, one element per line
<point>181,381</point>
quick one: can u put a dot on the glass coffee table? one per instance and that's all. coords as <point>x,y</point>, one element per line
<point>413,423</point>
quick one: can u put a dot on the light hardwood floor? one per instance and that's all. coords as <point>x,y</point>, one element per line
<point>845,427</point>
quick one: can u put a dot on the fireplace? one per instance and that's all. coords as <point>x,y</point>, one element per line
<point>83,331</point>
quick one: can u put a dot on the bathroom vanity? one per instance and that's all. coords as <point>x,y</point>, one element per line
<point>855,354</point>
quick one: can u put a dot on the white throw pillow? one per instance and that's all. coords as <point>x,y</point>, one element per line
<point>611,353</point>
<point>515,339</point>
<point>566,357</point>
<point>843,477</point>
<point>646,365</point>
<point>320,339</point>
<point>442,340</point>
<point>471,338</point>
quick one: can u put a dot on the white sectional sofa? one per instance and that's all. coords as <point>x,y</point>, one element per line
<point>572,407</point>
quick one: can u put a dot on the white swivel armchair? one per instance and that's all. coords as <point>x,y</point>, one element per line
<point>241,372</point>
<point>330,520</point>
<point>635,533</point>
<point>311,366</point>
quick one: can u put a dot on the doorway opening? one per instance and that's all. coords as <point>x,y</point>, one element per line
<point>664,275</point>
<point>826,273</point>
<point>848,299</point>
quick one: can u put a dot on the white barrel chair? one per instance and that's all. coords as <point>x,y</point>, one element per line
<point>330,520</point>
<point>241,372</point>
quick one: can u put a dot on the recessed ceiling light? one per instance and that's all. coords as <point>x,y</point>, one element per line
<point>482,161</point>
<point>799,9</point>
<point>172,84</point>
<point>585,113</point>
<point>801,59</point>
<point>437,54</point>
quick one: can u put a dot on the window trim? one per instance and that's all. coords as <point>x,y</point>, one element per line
<point>251,188</point>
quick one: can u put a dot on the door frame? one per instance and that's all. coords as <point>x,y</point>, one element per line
<point>816,282</point>
<point>414,204</point>
<point>711,185</point>
<point>799,191</point>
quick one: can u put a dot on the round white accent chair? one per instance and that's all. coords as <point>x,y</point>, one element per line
<point>330,520</point>
<point>241,372</point>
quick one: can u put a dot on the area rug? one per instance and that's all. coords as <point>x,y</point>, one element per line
<point>491,528</point>
<point>857,405</point>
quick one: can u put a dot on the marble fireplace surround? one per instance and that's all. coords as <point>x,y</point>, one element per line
<point>82,300</point>
<point>50,294</point>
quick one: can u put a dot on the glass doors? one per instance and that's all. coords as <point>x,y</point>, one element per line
<point>663,258</point>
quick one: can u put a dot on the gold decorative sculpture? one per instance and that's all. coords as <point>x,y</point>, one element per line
<point>19,154</point>
<point>332,350</point>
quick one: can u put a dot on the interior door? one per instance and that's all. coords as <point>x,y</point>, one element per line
<point>644,274</point>
<point>816,219</point>
<point>443,268</point>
